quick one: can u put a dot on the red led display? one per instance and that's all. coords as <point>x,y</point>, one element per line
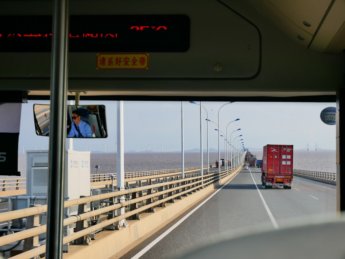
<point>96,33</point>
<point>84,35</point>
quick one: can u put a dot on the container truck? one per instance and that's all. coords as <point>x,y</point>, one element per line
<point>277,166</point>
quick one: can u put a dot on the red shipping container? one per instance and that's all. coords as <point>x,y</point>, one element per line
<point>277,166</point>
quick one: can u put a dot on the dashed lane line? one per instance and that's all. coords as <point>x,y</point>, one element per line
<point>314,197</point>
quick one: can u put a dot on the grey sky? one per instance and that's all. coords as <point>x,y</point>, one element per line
<point>155,126</point>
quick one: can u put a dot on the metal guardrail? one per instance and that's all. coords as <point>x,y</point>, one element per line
<point>102,211</point>
<point>325,177</point>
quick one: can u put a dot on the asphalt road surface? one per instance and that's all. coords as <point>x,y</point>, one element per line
<point>243,206</point>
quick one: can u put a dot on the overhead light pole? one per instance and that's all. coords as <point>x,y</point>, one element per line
<point>207,121</point>
<point>226,131</point>
<point>241,149</point>
<point>220,134</point>
<point>182,142</point>
<point>201,149</point>
<point>236,158</point>
<point>208,150</point>
<point>219,109</point>
<point>231,150</point>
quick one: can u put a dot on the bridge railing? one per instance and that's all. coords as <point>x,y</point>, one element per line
<point>11,186</point>
<point>98,212</point>
<point>108,180</point>
<point>100,177</point>
<point>326,177</point>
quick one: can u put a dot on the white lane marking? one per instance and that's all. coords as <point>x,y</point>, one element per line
<point>167,232</point>
<point>314,197</point>
<point>273,220</point>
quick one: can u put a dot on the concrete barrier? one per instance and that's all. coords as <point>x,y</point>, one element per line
<point>325,177</point>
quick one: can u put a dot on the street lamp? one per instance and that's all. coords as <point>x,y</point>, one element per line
<point>231,152</point>
<point>242,145</point>
<point>226,131</point>
<point>237,155</point>
<point>182,142</point>
<point>221,107</point>
<point>220,134</point>
<point>241,150</point>
<point>208,151</point>
<point>207,121</point>
<point>201,147</point>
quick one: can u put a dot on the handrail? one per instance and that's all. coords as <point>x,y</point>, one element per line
<point>109,181</point>
<point>10,183</point>
<point>71,220</point>
<point>12,186</point>
<point>10,215</point>
<point>136,174</point>
<point>158,190</point>
<point>19,183</point>
<point>74,236</point>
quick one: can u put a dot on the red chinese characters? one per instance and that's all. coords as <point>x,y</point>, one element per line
<point>85,35</point>
<point>122,61</point>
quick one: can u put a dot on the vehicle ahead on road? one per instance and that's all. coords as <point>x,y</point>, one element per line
<point>277,166</point>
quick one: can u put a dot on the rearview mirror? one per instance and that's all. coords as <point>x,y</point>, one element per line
<point>84,121</point>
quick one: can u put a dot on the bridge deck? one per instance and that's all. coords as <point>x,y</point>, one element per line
<point>238,208</point>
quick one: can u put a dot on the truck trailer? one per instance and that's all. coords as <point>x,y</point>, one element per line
<point>277,166</point>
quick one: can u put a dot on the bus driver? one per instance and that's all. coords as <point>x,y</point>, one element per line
<point>80,128</point>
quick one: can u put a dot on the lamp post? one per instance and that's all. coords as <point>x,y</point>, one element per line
<point>216,129</point>
<point>242,146</point>
<point>207,121</point>
<point>182,142</point>
<point>208,151</point>
<point>226,131</point>
<point>201,149</point>
<point>237,156</point>
<point>231,152</point>
<point>220,134</point>
<point>240,151</point>
<point>220,108</point>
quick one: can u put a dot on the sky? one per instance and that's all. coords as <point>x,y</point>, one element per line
<point>156,126</point>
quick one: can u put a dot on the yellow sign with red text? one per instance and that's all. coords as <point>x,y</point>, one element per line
<point>123,61</point>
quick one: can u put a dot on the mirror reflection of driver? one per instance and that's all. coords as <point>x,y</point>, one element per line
<point>80,128</point>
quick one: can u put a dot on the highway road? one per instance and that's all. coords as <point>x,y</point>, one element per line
<point>243,206</point>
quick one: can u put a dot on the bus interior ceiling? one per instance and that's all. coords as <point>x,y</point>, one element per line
<point>217,50</point>
<point>236,48</point>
